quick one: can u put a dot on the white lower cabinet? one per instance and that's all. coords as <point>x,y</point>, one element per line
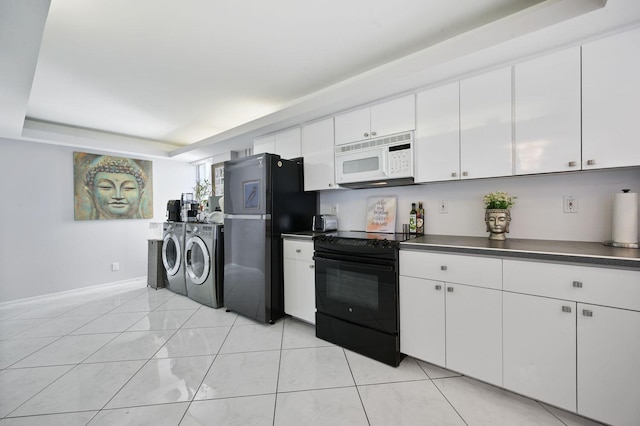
<point>609,364</point>
<point>456,326</point>
<point>299,280</point>
<point>565,334</point>
<point>422,326</point>
<point>474,332</point>
<point>539,348</point>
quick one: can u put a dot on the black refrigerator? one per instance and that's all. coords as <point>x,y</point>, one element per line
<point>263,197</point>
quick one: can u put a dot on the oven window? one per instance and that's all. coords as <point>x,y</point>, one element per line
<point>362,289</point>
<point>361,165</point>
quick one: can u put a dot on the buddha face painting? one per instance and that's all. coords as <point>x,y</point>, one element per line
<point>114,188</point>
<point>497,221</point>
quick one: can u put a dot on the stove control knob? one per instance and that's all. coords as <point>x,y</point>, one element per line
<point>330,238</point>
<point>385,243</point>
<point>375,243</point>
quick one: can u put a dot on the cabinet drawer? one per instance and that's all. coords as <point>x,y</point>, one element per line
<point>299,250</point>
<point>470,270</point>
<point>599,286</point>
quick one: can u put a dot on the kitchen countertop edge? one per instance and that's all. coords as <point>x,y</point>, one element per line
<point>591,253</point>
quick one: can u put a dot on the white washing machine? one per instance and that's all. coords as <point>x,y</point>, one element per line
<point>204,263</point>
<point>172,256</point>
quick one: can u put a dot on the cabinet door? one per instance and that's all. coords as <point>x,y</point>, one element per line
<point>437,140</point>
<point>395,116</point>
<point>539,348</point>
<point>485,125</point>
<point>287,143</point>
<point>547,113</point>
<point>318,152</point>
<point>608,364</point>
<point>474,332</point>
<point>264,144</point>
<point>422,327</point>
<point>353,126</point>
<point>610,94</point>
<point>306,283</point>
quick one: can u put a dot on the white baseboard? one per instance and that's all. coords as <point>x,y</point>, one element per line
<point>132,283</point>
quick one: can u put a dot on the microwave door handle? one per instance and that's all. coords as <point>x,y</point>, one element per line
<point>385,162</point>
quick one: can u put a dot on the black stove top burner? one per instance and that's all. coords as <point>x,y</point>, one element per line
<point>361,235</point>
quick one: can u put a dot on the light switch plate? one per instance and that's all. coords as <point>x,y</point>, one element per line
<point>570,204</point>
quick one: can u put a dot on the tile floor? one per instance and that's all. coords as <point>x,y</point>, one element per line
<point>131,355</point>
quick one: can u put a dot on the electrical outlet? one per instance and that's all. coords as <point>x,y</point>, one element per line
<point>570,204</point>
<point>443,206</point>
<point>115,266</point>
<point>334,208</point>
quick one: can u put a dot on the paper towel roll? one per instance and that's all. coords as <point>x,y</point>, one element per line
<point>625,218</point>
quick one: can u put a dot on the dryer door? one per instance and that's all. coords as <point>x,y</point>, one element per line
<point>197,260</point>
<point>171,254</point>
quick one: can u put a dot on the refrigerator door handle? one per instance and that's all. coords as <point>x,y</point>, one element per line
<point>248,216</point>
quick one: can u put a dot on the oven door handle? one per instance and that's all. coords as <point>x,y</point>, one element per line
<point>363,264</point>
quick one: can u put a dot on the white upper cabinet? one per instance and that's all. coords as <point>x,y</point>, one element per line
<point>286,144</point>
<point>264,144</point>
<point>437,139</point>
<point>387,118</point>
<point>547,113</point>
<point>610,94</point>
<point>485,125</point>
<point>318,152</point>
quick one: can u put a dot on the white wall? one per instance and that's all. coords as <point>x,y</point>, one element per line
<point>538,213</point>
<point>43,250</point>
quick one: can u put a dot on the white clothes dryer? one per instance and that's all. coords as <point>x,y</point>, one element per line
<point>172,256</point>
<point>204,263</point>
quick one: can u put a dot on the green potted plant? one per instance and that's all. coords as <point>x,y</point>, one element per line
<point>497,214</point>
<point>202,191</point>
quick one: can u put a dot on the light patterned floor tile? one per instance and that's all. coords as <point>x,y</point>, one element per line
<point>249,410</point>
<point>335,407</point>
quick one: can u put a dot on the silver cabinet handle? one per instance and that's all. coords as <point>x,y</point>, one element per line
<point>312,266</point>
<point>443,268</point>
<point>572,163</point>
<point>330,185</point>
<point>373,133</point>
<point>450,289</point>
<point>465,173</point>
<point>591,162</point>
<point>587,313</point>
<point>366,135</point>
<point>438,287</point>
<point>566,309</point>
<point>577,284</point>
<point>454,174</point>
<point>298,251</point>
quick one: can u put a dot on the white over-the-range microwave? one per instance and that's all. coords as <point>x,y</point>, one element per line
<point>386,161</point>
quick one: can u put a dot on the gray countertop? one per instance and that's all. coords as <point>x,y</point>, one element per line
<point>561,251</point>
<point>591,253</point>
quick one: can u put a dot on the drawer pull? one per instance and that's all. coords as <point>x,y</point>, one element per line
<point>591,162</point>
<point>454,174</point>
<point>312,266</point>
<point>577,284</point>
<point>572,163</point>
<point>443,268</point>
<point>298,251</point>
<point>465,173</point>
<point>438,287</point>
<point>450,289</point>
<point>587,313</point>
<point>566,309</point>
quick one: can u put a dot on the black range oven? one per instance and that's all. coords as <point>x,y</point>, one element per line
<point>357,292</point>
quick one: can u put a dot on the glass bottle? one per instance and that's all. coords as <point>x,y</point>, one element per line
<point>413,216</point>
<point>420,219</point>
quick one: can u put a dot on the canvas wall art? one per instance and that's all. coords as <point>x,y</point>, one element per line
<point>381,214</point>
<point>108,187</point>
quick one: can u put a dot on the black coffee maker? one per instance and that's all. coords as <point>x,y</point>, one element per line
<point>173,211</point>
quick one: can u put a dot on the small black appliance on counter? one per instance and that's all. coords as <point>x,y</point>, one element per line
<point>173,211</point>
